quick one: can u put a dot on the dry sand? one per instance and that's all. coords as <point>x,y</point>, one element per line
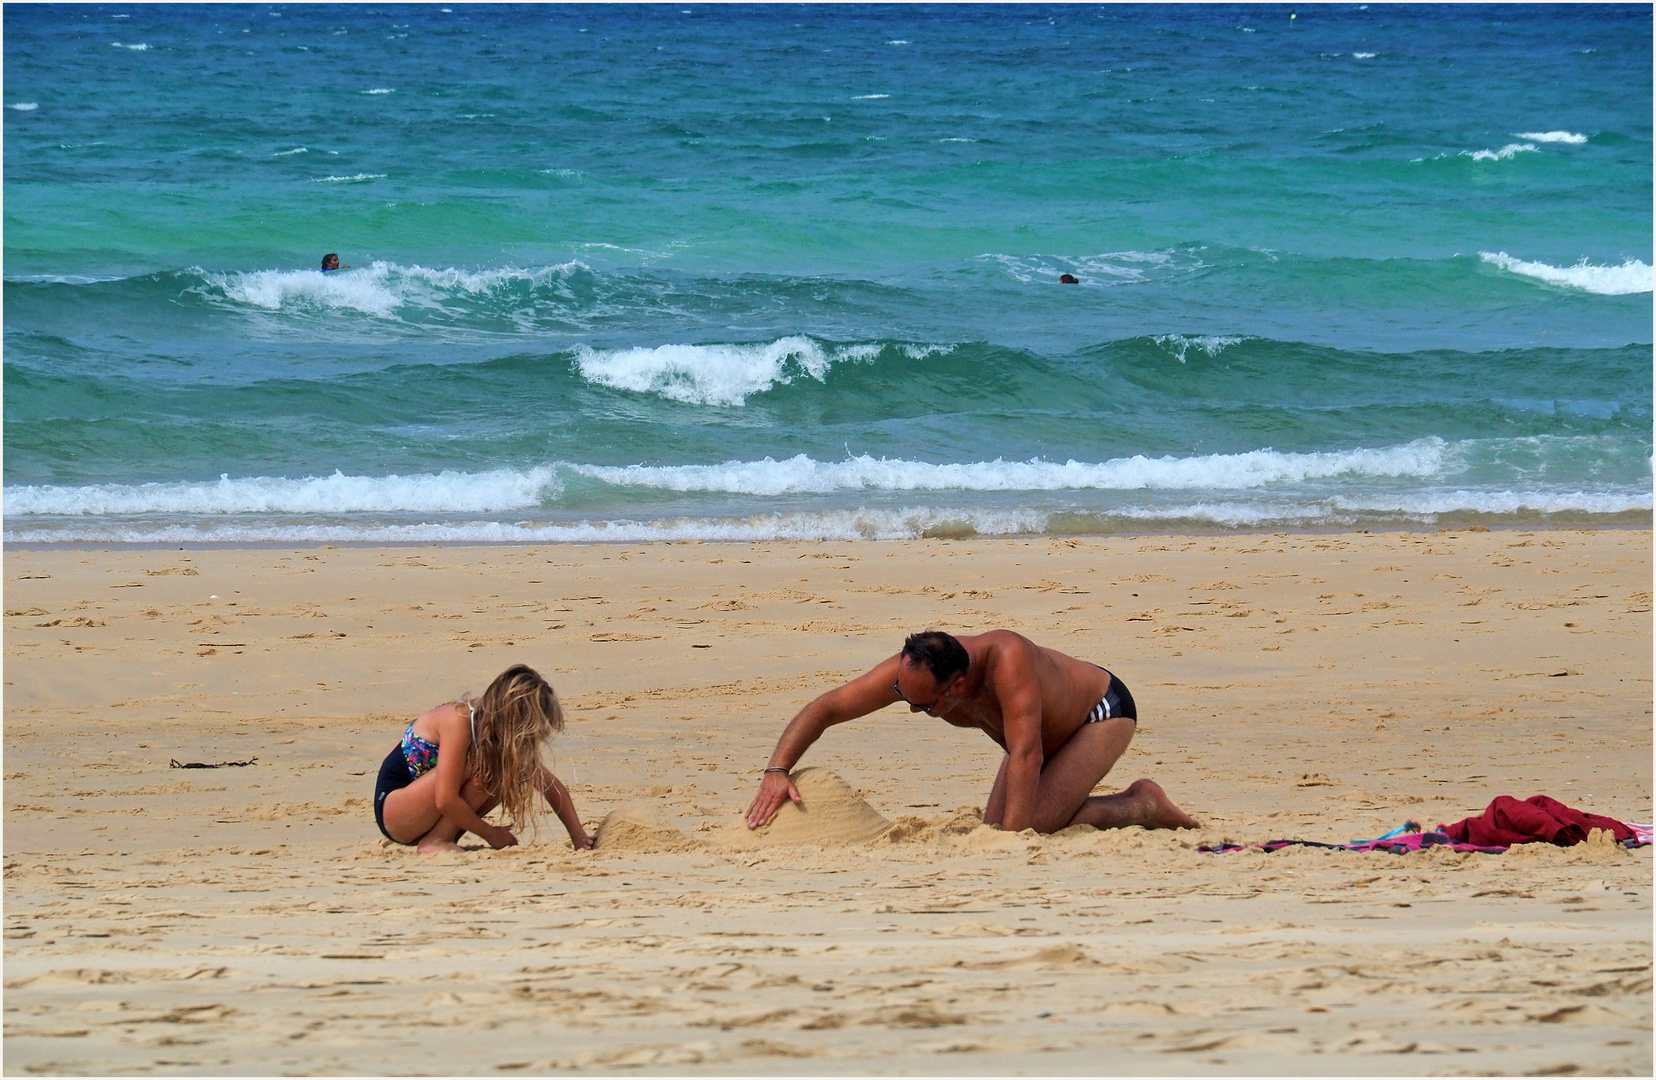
<point>250,920</point>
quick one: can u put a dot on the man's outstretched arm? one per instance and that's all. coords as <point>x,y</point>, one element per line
<point>859,697</point>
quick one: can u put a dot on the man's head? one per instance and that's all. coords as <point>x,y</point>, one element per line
<point>330,261</point>
<point>929,669</point>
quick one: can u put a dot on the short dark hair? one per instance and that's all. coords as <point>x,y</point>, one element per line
<point>941,654</point>
<point>330,256</point>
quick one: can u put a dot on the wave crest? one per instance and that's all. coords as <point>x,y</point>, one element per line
<point>725,374</point>
<point>1568,137</point>
<point>1630,277</point>
<point>1510,150</point>
<point>378,289</point>
<point>802,475</point>
<point>447,492</point>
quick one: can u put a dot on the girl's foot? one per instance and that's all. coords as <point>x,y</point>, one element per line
<point>430,846</point>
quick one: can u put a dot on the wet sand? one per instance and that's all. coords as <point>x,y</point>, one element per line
<point>1327,687</point>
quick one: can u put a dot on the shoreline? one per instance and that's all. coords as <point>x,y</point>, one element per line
<point>1645,523</point>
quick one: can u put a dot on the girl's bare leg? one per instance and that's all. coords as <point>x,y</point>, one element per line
<point>411,811</point>
<point>445,834</point>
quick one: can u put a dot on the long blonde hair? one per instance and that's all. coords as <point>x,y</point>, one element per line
<point>516,716</point>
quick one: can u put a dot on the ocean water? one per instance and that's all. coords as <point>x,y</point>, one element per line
<point>758,272</point>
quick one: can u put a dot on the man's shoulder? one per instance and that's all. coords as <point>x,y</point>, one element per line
<point>1002,644</point>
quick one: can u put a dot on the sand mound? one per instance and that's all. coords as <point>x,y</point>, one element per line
<point>639,827</point>
<point>833,813</point>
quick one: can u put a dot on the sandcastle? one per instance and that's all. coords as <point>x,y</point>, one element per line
<point>833,814</point>
<point>639,827</point>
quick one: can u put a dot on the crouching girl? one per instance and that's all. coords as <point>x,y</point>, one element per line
<point>459,761</point>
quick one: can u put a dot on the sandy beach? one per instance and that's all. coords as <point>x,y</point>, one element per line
<point>1323,686</point>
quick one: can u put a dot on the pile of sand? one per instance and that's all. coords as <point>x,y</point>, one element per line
<point>832,813</point>
<point>639,827</point>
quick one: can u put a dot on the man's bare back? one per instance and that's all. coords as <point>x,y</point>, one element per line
<point>1067,687</point>
<point>1062,722</point>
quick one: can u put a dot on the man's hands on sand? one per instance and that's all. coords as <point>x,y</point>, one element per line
<point>773,789</point>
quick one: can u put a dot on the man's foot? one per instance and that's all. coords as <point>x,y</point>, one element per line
<point>1156,809</point>
<point>429,846</point>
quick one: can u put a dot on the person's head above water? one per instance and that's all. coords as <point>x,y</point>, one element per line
<point>1068,279</point>
<point>330,261</point>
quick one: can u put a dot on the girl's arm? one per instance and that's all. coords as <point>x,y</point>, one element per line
<point>557,796</point>
<point>454,731</point>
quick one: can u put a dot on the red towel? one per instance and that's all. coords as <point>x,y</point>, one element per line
<point>1537,819</point>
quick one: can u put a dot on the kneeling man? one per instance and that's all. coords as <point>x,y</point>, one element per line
<point>1062,722</point>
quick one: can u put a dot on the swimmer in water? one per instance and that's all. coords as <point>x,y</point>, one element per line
<point>330,261</point>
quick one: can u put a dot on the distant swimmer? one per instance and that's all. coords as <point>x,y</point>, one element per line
<point>330,261</point>
<point>1063,723</point>
<point>1068,279</point>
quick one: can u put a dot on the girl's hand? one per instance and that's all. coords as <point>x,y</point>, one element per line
<point>583,842</point>
<point>500,837</point>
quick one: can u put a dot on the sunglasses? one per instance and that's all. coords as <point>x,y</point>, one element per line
<point>927,709</point>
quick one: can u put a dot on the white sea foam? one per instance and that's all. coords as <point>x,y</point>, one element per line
<point>1424,507</point>
<point>1510,150</point>
<point>1363,55</point>
<point>357,179</point>
<point>287,153</point>
<point>957,138</point>
<point>448,492</point>
<point>505,490</point>
<point>25,106</point>
<point>870,97</point>
<point>726,374</point>
<point>276,289</point>
<point>65,279</point>
<point>841,525</point>
<point>705,374</point>
<point>1180,344</point>
<point>378,289</point>
<point>897,41</point>
<point>803,475</point>
<point>140,47</point>
<point>1552,137</point>
<point>1632,276</point>
<point>860,523</point>
<point>378,90</point>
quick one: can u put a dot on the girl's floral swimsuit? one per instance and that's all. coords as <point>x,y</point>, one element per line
<point>409,760</point>
<point>419,754</point>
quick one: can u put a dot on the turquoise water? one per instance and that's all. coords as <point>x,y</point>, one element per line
<point>769,272</point>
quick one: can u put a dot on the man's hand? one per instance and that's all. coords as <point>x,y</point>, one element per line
<point>775,787</point>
